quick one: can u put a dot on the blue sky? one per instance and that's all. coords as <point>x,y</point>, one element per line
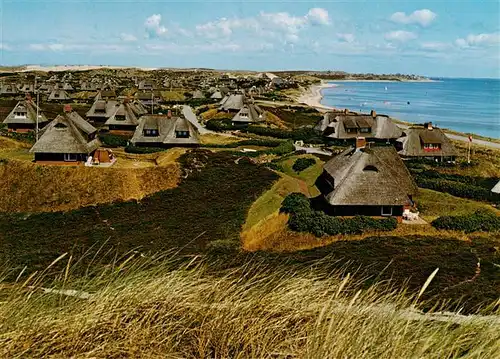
<point>434,38</point>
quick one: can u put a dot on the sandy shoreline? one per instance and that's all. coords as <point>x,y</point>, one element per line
<point>312,96</point>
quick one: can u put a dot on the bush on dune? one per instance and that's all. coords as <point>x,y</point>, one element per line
<point>304,219</point>
<point>479,221</point>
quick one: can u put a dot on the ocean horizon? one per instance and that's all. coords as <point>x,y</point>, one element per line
<point>468,105</point>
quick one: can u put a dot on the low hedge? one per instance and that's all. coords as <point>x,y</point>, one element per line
<point>304,219</point>
<point>113,141</point>
<point>143,150</point>
<point>454,188</point>
<point>303,163</point>
<point>480,221</point>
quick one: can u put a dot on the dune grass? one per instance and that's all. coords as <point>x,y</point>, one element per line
<point>433,204</point>
<point>150,308</point>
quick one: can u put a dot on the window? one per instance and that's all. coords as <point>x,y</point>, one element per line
<point>370,168</point>
<point>120,118</point>
<point>182,134</point>
<point>70,157</point>
<point>151,133</point>
<point>386,211</point>
<point>365,130</point>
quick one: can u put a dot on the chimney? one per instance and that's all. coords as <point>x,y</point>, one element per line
<point>169,114</point>
<point>67,108</point>
<point>428,126</point>
<point>373,113</point>
<point>346,111</point>
<point>360,143</point>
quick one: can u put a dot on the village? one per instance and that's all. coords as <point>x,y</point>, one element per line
<point>77,118</point>
<point>139,154</point>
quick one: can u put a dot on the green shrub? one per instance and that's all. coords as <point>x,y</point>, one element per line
<point>295,203</point>
<point>304,219</point>
<point>110,140</point>
<point>480,221</point>
<point>252,142</point>
<point>143,150</point>
<point>303,163</point>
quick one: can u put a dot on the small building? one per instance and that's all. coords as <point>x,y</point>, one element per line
<point>249,114</point>
<point>146,85</point>
<point>22,118</point>
<point>345,125</point>
<point>67,87</point>
<point>232,103</point>
<point>9,90</point>
<point>165,131</point>
<point>198,95</point>
<point>59,95</point>
<point>427,142</point>
<point>124,120</point>
<point>217,95</point>
<point>148,98</point>
<point>101,110</point>
<point>26,88</point>
<point>367,181</point>
<point>68,139</point>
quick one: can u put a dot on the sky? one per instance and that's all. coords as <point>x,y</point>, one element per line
<point>441,38</point>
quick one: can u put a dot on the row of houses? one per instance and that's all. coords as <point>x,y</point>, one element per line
<point>70,139</point>
<point>421,141</point>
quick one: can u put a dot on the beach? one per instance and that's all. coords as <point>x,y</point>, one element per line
<point>313,96</point>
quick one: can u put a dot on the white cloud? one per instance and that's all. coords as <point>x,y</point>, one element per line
<point>265,24</point>
<point>37,47</point>
<point>400,36</point>
<point>346,37</point>
<point>5,47</point>
<point>422,17</point>
<point>479,40</point>
<point>318,16</point>
<point>127,37</point>
<point>55,47</point>
<point>154,27</point>
<point>435,46</point>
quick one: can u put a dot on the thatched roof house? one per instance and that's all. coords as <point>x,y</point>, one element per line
<point>165,131</point>
<point>59,95</point>
<point>249,113</point>
<point>426,142</point>
<point>123,121</point>
<point>9,89</point>
<point>367,181</point>
<point>68,138</point>
<point>198,95</point>
<point>146,85</point>
<point>217,95</point>
<point>26,87</point>
<point>349,125</point>
<point>232,103</point>
<point>102,110</point>
<point>22,118</point>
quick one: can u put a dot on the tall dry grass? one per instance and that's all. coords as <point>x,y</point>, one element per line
<point>155,309</point>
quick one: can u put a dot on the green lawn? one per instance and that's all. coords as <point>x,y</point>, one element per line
<point>309,175</point>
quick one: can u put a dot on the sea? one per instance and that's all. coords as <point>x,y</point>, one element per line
<point>463,105</point>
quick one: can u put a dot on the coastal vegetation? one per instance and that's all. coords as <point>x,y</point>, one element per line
<point>154,307</point>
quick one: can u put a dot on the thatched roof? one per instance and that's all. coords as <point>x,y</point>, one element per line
<point>123,116</point>
<point>416,137</point>
<point>216,95</point>
<point>337,125</point>
<point>250,113</point>
<point>25,113</point>
<point>369,176</point>
<point>102,109</point>
<point>57,94</point>
<point>9,89</point>
<point>232,102</point>
<point>68,133</point>
<point>167,128</point>
<point>198,94</point>
<point>496,189</point>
